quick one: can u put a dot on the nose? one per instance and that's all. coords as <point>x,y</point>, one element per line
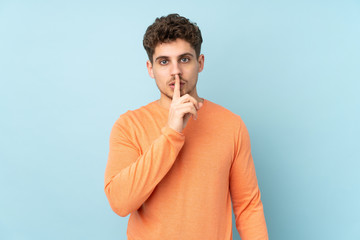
<point>176,69</point>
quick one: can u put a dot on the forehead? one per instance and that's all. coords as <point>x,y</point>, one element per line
<point>173,49</point>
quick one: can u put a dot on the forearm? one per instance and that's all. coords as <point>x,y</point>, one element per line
<point>128,188</point>
<point>250,219</point>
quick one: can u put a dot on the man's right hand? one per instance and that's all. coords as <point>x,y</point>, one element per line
<point>181,108</point>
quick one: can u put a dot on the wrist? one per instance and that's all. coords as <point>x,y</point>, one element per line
<point>175,128</point>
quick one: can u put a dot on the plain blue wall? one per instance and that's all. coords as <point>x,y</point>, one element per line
<point>68,69</point>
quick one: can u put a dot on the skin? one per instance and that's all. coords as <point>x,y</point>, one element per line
<point>176,62</point>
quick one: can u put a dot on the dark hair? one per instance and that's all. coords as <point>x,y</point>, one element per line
<point>168,29</point>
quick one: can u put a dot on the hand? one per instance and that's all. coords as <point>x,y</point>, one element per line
<point>181,108</point>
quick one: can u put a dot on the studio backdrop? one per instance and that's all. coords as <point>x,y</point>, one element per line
<point>68,69</point>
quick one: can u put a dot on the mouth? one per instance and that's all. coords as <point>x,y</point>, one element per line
<point>172,84</point>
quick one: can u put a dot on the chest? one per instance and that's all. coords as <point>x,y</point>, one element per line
<point>208,151</point>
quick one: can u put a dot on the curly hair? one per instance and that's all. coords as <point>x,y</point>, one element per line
<point>168,29</point>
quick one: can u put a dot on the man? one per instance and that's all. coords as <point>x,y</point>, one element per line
<point>177,163</point>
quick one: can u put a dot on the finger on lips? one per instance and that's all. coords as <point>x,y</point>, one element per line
<point>176,87</point>
<point>185,100</point>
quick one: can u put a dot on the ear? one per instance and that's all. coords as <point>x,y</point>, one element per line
<point>150,69</point>
<point>201,60</point>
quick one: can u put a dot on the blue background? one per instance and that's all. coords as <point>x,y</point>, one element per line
<point>68,69</point>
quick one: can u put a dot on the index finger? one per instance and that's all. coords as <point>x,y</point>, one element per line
<point>176,94</point>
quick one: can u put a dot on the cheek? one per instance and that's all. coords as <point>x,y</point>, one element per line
<point>193,72</point>
<point>159,73</point>
<point>160,79</point>
<point>194,69</point>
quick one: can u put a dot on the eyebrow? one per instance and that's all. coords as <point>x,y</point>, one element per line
<point>180,56</point>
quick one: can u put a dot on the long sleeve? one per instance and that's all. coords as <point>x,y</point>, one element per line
<point>131,177</point>
<point>245,193</point>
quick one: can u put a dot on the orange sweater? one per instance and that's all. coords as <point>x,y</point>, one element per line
<point>180,185</point>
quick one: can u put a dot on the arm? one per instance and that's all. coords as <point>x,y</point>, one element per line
<point>130,177</point>
<point>245,193</point>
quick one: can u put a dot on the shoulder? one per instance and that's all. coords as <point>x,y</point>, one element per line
<point>143,119</point>
<point>223,114</point>
<point>142,112</point>
<point>224,120</point>
<point>127,123</point>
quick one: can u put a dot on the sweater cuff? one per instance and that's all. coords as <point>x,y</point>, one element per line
<point>172,134</point>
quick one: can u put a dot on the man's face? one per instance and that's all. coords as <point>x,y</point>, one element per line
<point>169,59</point>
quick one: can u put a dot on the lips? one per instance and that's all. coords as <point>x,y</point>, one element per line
<point>173,83</point>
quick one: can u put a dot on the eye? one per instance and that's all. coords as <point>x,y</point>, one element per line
<point>163,62</point>
<point>185,60</point>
